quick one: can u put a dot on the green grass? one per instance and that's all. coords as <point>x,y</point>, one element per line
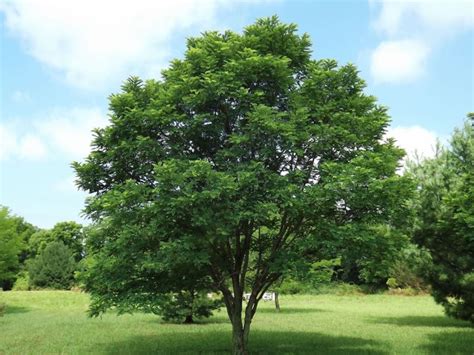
<point>56,322</point>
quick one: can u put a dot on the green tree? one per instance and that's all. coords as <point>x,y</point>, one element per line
<point>53,268</point>
<point>10,248</point>
<point>445,222</point>
<point>237,161</point>
<point>70,233</point>
<point>367,251</point>
<point>38,242</point>
<point>25,230</point>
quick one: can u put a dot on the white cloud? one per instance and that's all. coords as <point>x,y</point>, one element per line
<point>69,131</point>
<point>95,42</point>
<point>7,142</point>
<point>31,147</point>
<point>428,17</point>
<point>413,29</point>
<point>61,133</point>
<point>28,146</point>
<point>416,140</point>
<point>398,61</point>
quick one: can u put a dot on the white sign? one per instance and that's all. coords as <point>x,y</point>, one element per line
<point>267,296</point>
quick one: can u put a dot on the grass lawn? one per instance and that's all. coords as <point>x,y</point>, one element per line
<point>55,322</point>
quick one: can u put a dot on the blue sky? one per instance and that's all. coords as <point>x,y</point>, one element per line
<point>61,59</point>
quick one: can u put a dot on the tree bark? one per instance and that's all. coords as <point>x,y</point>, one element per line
<point>189,319</point>
<point>239,339</point>
<point>240,328</point>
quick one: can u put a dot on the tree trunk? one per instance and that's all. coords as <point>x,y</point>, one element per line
<point>239,339</point>
<point>189,319</point>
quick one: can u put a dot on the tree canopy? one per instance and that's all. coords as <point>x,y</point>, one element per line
<point>238,162</point>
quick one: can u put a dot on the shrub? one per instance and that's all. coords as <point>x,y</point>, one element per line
<point>53,268</point>
<point>290,286</point>
<point>404,292</point>
<point>308,279</point>
<point>347,289</point>
<point>410,267</point>
<point>22,282</point>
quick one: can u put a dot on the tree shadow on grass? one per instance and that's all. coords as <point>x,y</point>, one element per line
<point>290,310</point>
<point>205,321</point>
<point>261,342</point>
<point>225,320</point>
<point>458,342</point>
<point>423,321</point>
<point>15,309</point>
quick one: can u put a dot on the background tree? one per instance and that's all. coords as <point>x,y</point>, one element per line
<point>72,235</point>
<point>69,233</point>
<point>38,242</point>
<point>25,230</point>
<point>445,222</point>
<point>10,248</point>
<point>244,155</point>
<point>368,252</point>
<point>53,268</point>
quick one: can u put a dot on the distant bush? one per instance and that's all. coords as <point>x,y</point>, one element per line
<point>293,287</point>
<point>290,286</point>
<point>53,268</point>
<point>408,291</point>
<point>344,289</point>
<point>309,279</point>
<point>22,282</point>
<point>408,270</point>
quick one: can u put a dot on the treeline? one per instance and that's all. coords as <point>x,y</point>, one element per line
<point>33,258</point>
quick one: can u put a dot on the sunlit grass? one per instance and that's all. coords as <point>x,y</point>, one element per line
<point>56,322</point>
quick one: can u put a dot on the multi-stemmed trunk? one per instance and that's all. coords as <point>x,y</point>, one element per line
<point>240,329</point>
<point>239,338</point>
<point>237,259</point>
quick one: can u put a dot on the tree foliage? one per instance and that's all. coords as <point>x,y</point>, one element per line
<point>166,282</point>
<point>444,206</point>
<point>367,251</point>
<point>24,230</point>
<point>234,164</point>
<point>53,268</point>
